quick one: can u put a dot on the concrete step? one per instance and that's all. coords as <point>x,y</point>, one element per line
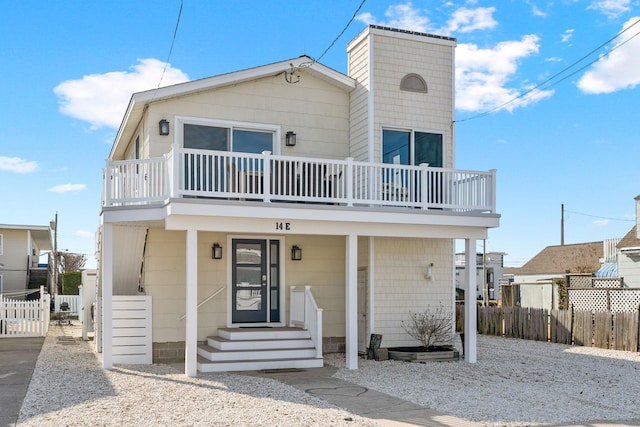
<point>221,343</point>
<point>215,355</point>
<point>205,365</point>
<point>246,334</point>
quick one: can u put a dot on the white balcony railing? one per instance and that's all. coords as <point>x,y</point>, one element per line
<point>266,177</point>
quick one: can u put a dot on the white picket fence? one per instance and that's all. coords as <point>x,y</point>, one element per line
<point>20,318</point>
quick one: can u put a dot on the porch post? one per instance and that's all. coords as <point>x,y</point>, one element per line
<point>351,302</point>
<point>191,320</point>
<point>106,269</point>
<point>470,303</point>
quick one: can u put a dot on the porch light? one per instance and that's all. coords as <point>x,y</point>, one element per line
<point>216,251</point>
<point>290,139</point>
<point>296,253</point>
<point>163,126</point>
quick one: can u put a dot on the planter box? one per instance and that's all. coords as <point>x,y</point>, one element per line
<point>409,354</point>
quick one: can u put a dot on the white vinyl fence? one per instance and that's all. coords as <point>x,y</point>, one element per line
<point>72,300</point>
<point>20,318</point>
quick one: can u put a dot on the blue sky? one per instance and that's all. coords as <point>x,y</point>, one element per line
<point>68,69</point>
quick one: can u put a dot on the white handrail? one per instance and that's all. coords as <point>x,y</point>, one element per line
<point>304,313</point>
<point>207,299</point>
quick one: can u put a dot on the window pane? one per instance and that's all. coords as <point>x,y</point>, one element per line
<point>246,141</point>
<point>428,149</point>
<point>206,137</point>
<point>395,147</point>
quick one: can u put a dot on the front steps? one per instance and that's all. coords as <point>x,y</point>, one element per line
<point>250,349</point>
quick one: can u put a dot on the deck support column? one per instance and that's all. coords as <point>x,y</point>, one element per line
<point>191,320</point>
<point>351,298</point>
<point>106,271</point>
<point>470,303</point>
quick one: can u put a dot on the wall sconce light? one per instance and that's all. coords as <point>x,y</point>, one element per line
<point>163,127</point>
<point>290,139</point>
<point>429,275</point>
<point>216,251</point>
<point>296,253</point>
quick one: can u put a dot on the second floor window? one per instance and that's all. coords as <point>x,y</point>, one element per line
<point>411,147</point>
<point>227,139</point>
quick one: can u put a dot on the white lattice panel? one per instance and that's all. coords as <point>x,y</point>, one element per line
<point>588,299</point>
<point>625,300</point>
<point>616,300</point>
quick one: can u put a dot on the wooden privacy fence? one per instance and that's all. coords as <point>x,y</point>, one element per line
<point>618,331</point>
<point>21,318</point>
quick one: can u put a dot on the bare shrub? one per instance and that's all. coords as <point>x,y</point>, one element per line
<point>432,327</point>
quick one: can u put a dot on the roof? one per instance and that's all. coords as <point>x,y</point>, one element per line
<point>41,234</point>
<point>608,269</point>
<point>140,100</point>
<point>560,259</point>
<point>630,240</point>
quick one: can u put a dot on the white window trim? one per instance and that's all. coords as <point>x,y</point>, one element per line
<point>182,120</point>
<point>412,132</point>
<point>1,284</point>
<point>1,244</point>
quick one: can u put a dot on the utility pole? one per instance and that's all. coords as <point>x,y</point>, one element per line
<point>54,259</point>
<point>562,226</point>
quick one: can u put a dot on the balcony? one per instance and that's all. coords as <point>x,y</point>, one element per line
<point>266,178</point>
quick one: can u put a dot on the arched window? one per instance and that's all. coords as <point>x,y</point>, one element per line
<point>414,83</point>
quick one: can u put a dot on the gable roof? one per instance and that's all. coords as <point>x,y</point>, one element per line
<point>630,240</point>
<point>575,258</point>
<point>140,100</point>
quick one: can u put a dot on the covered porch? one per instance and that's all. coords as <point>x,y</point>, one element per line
<point>356,233</point>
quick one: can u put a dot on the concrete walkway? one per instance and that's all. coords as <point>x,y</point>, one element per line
<point>386,410</point>
<point>18,358</point>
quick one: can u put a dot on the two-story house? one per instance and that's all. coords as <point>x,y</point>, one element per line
<point>279,211</point>
<point>21,247</point>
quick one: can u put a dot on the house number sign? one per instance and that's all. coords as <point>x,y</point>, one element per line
<point>286,226</point>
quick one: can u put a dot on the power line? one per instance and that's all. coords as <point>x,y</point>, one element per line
<point>292,77</point>
<point>525,94</point>
<point>175,33</point>
<point>601,217</point>
<point>343,30</point>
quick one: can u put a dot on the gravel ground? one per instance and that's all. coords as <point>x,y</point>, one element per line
<point>514,383</point>
<point>70,388</point>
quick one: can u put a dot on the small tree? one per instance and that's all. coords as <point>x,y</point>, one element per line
<point>431,327</point>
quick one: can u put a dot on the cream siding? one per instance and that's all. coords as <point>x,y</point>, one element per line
<point>400,285</point>
<point>14,257</point>
<point>359,70</point>
<point>315,110</point>
<point>398,56</point>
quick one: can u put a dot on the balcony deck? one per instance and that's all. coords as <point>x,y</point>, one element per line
<point>266,178</point>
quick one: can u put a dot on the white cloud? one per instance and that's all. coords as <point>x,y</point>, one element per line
<point>611,8</point>
<point>403,16</point>
<point>466,20</point>
<point>84,234</point>
<point>101,99</point>
<point>567,35</point>
<point>67,188</point>
<point>601,222</point>
<point>17,165</point>
<point>618,70</point>
<point>482,75</point>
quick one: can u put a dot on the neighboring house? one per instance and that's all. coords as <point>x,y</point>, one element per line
<point>629,253</point>
<point>221,194</point>
<point>21,247</point>
<point>489,271</point>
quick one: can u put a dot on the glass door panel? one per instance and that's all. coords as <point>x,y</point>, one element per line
<point>249,290</point>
